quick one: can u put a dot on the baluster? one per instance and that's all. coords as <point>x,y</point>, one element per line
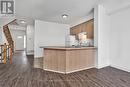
<point>11,54</point>
<point>5,53</point>
<point>1,52</point>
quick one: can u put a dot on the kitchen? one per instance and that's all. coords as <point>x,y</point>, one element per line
<point>78,53</point>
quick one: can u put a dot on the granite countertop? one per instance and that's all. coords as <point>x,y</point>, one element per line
<point>68,47</point>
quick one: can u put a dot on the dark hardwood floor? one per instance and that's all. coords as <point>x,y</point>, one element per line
<point>22,74</point>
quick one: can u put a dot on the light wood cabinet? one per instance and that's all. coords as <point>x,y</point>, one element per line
<point>90,29</point>
<point>84,27</point>
<point>75,30</point>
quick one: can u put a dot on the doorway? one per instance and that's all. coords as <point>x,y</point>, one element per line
<point>19,37</point>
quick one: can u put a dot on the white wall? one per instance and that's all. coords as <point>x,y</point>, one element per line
<point>0,35</point>
<point>30,39</point>
<point>4,40</point>
<point>120,42</point>
<point>18,42</point>
<point>5,20</point>
<point>83,19</point>
<point>49,34</point>
<point>112,34</point>
<point>101,36</point>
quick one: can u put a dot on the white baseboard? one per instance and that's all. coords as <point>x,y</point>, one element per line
<point>54,71</point>
<point>79,70</point>
<point>121,68</point>
<point>99,67</point>
<point>30,52</point>
<point>68,71</point>
<point>114,66</point>
<point>38,57</point>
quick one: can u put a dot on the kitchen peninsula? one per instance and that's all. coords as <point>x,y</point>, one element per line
<point>68,59</point>
<point>78,53</point>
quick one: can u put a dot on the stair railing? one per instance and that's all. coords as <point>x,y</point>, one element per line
<point>6,53</point>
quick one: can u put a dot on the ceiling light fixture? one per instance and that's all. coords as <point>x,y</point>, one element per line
<point>19,37</point>
<point>22,21</point>
<point>64,16</point>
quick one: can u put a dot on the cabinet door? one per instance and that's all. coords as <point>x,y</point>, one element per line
<point>84,27</point>
<point>90,29</point>
<point>76,30</point>
<point>72,31</point>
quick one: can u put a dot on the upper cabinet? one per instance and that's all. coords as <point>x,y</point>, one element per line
<point>87,27</point>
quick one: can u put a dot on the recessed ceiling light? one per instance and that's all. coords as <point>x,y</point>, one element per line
<point>64,16</point>
<point>19,37</point>
<point>22,21</point>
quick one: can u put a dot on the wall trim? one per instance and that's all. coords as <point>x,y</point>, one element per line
<point>38,57</point>
<point>79,70</point>
<point>68,71</point>
<point>121,68</point>
<point>54,71</point>
<point>100,67</point>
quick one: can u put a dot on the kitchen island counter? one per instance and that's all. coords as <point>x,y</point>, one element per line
<point>68,59</point>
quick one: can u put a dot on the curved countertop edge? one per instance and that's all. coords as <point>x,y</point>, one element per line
<point>67,48</point>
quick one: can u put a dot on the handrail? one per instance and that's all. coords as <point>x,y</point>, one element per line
<point>6,49</point>
<point>8,36</point>
<point>6,52</point>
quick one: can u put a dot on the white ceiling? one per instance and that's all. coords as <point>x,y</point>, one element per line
<point>113,6</point>
<point>51,10</point>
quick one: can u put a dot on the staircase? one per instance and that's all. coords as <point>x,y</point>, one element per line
<point>7,50</point>
<point>8,36</point>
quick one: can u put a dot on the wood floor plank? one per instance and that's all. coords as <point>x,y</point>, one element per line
<point>21,73</point>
